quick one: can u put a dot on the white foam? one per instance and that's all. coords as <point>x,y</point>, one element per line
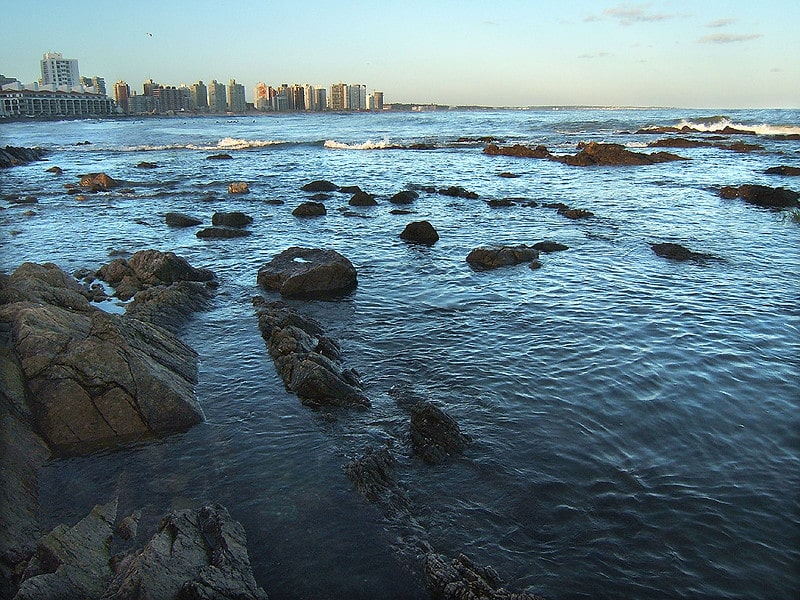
<point>368,145</point>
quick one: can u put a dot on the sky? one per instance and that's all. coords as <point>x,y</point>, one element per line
<point>679,53</point>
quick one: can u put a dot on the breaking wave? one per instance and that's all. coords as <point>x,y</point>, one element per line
<point>720,123</point>
<point>368,145</point>
<point>227,143</point>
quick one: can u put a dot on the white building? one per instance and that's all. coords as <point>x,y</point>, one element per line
<point>58,71</point>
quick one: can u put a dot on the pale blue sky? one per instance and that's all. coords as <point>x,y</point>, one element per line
<point>684,53</point>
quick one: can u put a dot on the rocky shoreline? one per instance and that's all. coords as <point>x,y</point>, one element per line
<point>76,378</point>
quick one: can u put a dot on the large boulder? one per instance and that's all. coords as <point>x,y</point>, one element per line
<point>310,209</point>
<point>677,252</point>
<point>492,257</point>
<point>98,182</point>
<point>231,219</point>
<point>404,197</point>
<point>308,272</point>
<point>762,195</point>
<point>320,185</point>
<point>175,219</point>
<point>306,359</point>
<point>92,378</point>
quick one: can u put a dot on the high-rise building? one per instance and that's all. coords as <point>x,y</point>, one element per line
<point>199,95</point>
<point>149,87</point>
<point>320,98</point>
<point>338,100</point>
<point>236,97</point>
<point>58,71</point>
<point>98,83</point>
<point>377,99</point>
<point>261,96</point>
<point>122,93</point>
<point>217,101</point>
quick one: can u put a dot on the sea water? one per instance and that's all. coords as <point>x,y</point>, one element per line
<point>633,421</point>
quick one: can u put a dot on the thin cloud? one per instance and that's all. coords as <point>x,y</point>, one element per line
<point>592,55</point>
<point>628,14</point>
<point>729,38</point>
<point>720,23</point>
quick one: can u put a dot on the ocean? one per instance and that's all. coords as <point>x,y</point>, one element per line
<point>634,420</point>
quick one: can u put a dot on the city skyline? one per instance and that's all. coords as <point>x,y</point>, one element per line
<point>507,53</point>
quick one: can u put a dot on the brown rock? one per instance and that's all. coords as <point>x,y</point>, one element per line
<point>308,272</point>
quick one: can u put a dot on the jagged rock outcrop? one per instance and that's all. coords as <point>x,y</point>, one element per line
<point>435,435</point>
<point>98,182</point>
<point>308,272</point>
<point>307,360</point>
<point>196,555</point>
<point>762,195</point>
<point>462,579</point>
<point>492,257</point>
<point>13,156</point>
<point>92,378</point>
<point>421,232</point>
<point>590,154</point>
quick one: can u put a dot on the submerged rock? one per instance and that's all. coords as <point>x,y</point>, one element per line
<point>320,185</point>
<point>680,253</point>
<point>492,257</point>
<point>404,197</point>
<point>222,233</point>
<point>421,232</point>
<point>784,170</point>
<point>306,359</point>
<point>220,156</point>
<point>308,272</point>
<point>548,246</point>
<point>174,219</point>
<point>591,153</point>
<point>762,195</point>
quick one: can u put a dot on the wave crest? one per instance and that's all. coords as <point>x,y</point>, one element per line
<point>720,123</point>
<point>368,145</point>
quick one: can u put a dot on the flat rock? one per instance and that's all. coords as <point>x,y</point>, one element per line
<point>231,219</point>
<point>762,195</point>
<point>175,219</point>
<point>678,252</point>
<point>308,272</point>
<point>222,233</point>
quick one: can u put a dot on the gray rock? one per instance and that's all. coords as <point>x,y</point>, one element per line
<point>196,555</point>
<point>462,579</point>
<point>93,378</point>
<point>72,562</point>
<point>308,272</point>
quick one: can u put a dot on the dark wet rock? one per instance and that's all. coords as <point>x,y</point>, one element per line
<point>55,170</point>
<point>361,198</point>
<point>146,165</point>
<point>373,474</point>
<point>91,378</point>
<point>98,182</point>
<point>320,185</point>
<point>575,213</point>
<point>517,150</point>
<point>507,175</point>
<point>594,153</point>
<point>171,306</point>
<point>222,233</point>
<point>679,253</point>
<point>148,268</point>
<point>457,191</point>
<point>501,203</point>
<point>306,359</point>
<point>320,197</point>
<point>401,211</point>
<point>435,436</point>
<point>196,555</point>
<point>72,562</point>
<point>275,201</point>
<point>404,197</point>
<point>221,156</point>
<point>351,189</point>
<point>762,195</point>
<point>462,579</point>
<point>308,272</point>
<point>492,257</point>
<point>421,232</point>
<point>548,246</point>
<point>310,209</point>
<point>784,170</point>
<point>13,156</point>
<point>174,219</point>
<point>231,219</point>
<point>24,200</point>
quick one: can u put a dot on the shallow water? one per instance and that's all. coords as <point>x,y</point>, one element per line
<point>634,420</point>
